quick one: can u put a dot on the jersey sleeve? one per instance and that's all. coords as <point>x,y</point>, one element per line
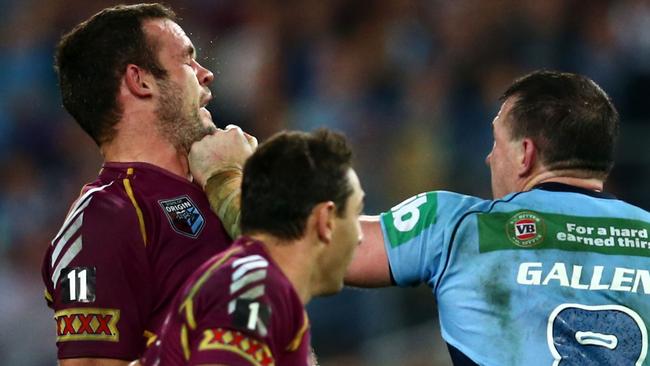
<point>97,280</point>
<point>254,325</point>
<point>417,233</point>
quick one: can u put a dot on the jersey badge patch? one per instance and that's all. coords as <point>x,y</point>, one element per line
<point>183,215</point>
<point>87,324</point>
<point>251,349</point>
<point>526,229</point>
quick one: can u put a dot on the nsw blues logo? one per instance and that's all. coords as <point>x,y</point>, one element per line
<point>183,215</point>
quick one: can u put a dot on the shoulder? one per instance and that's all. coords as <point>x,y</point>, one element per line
<point>235,279</point>
<point>431,209</point>
<point>100,219</point>
<point>245,291</point>
<point>439,203</point>
<point>110,198</point>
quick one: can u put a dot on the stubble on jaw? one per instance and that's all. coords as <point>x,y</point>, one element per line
<point>178,122</point>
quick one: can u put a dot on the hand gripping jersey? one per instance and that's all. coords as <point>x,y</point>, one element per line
<point>238,309</point>
<point>553,276</point>
<point>125,248</point>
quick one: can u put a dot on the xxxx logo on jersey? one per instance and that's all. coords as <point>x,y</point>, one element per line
<point>87,324</point>
<point>251,349</point>
<point>526,229</point>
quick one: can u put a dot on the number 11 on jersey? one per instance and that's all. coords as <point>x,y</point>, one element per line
<point>78,284</point>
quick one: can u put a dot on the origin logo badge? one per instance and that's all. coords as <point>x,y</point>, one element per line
<point>183,215</point>
<point>526,229</point>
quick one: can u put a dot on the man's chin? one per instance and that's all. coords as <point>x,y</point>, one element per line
<point>207,123</point>
<point>208,128</point>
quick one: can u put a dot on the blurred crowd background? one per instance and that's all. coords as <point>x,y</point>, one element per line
<point>413,84</point>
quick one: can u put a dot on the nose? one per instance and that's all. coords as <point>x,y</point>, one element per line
<point>204,75</point>
<point>488,158</point>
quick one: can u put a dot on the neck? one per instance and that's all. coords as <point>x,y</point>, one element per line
<point>146,147</point>
<point>294,261</point>
<point>565,177</point>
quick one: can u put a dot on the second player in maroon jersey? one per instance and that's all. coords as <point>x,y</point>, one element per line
<point>300,203</point>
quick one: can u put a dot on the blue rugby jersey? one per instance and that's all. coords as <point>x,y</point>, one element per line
<point>553,276</point>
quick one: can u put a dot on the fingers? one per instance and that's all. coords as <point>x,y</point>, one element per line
<point>252,140</point>
<point>231,126</point>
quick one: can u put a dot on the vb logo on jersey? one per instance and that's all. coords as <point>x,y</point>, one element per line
<point>183,215</point>
<point>526,229</point>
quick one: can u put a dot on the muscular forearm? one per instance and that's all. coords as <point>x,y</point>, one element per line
<point>223,189</point>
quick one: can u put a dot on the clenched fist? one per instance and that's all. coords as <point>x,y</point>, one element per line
<point>224,149</point>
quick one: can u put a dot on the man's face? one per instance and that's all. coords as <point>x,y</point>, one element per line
<point>346,237</point>
<point>184,93</point>
<point>502,160</point>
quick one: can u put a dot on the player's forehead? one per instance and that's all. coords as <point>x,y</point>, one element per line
<point>500,122</point>
<point>168,35</point>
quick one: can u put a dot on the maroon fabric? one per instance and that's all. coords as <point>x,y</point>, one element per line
<point>221,297</point>
<point>102,235</point>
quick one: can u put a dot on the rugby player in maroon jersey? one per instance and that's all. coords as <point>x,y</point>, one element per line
<point>300,207</point>
<point>130,78</point>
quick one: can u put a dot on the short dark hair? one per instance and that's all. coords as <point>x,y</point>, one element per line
<point>571,120</point>
<point>91,59</point>
<point>288,175</point>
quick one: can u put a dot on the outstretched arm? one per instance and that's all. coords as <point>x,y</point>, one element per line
<point>369,267</point>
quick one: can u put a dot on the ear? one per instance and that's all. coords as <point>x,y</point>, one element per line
<point>324,214</point>
<point>138,81</point>
<point>528,157</point>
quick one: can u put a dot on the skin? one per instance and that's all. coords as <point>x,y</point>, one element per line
<point>315,264</point>
<point>345,239</point>
<point>515,165</point>
<point>162,118</point>
<point>144,130</point>
<point>227,148</point>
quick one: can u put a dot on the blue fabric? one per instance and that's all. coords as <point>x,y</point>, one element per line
<point>553,276</point>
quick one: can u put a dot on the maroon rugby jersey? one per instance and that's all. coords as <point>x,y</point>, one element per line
<point>126,247</point>
<point>238,309</point>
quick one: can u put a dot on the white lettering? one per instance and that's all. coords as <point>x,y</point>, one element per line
<point>529,276</point>
<point>642,276</point>
<point>620,278</point>
<point>595,279</point>
<point>558,272</point>
<point>575,279</point>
